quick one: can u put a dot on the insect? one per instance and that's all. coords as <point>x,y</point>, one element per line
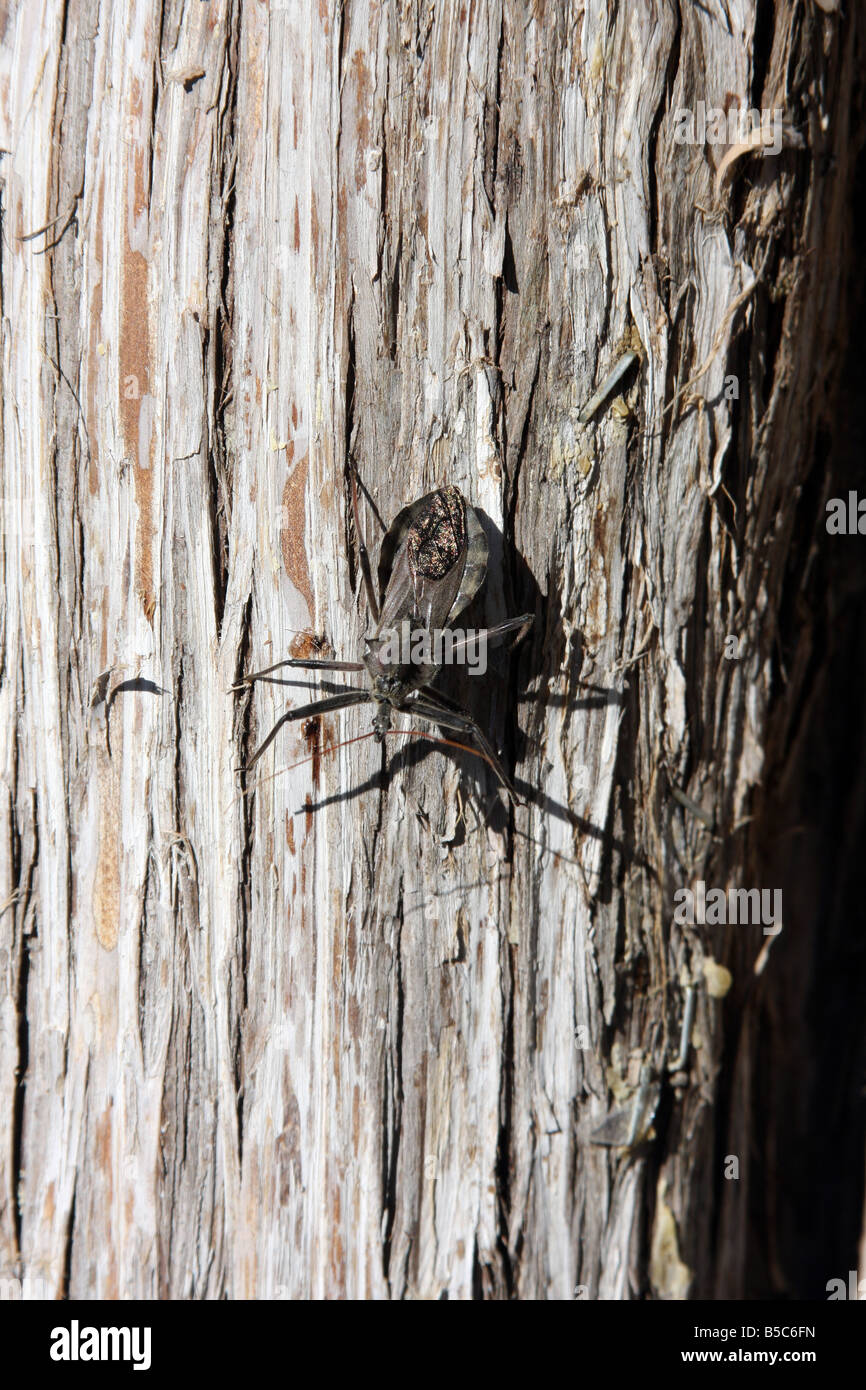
<point>432,562</point>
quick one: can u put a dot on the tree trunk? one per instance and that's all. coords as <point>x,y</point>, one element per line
<point>358,1032</point>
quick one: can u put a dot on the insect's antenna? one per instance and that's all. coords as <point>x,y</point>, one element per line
<point>320,753</point>
<point>446,743</point>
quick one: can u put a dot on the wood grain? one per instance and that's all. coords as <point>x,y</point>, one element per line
<point>348,1036</point>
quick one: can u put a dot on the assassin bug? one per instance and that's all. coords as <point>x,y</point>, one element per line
<point>432,562</point>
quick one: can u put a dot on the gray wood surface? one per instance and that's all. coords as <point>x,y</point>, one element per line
<point>349,1036</point>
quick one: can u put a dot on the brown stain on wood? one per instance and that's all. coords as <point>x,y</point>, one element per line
<point>363,104</point>
<point>106,886</point>
<point>313,735</point>
<point>353,1019</point>
<point>338,1254</point>
<point>292,532</point>
<point>135,369</point>
<point>102,1145</point>
<point>351,946</point>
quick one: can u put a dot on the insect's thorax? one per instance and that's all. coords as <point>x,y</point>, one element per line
<point>394,680</point>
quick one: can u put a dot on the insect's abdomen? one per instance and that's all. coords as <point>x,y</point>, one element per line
<point>432,560</point>
<point>437,536</point>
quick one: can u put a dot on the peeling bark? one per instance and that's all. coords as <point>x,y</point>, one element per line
<point>352,1034</point>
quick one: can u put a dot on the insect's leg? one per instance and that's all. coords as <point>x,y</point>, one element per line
<point>461,722</point>
<point>351,696</point>
<point>299,664</point>
<point>490,634</point>
<point>442,701</point>
<point>320,685</point>
<point>369,586</point>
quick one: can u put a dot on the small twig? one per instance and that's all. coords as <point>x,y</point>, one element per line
<point>613,378</point>
<point>686,1030</point>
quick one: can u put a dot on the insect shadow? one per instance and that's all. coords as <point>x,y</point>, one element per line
<point>432,534</point>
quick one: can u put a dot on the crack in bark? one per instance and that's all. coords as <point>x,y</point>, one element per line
<point>17,1136</point>
<point>348,464</point>
<point>667,85</point>
<point>510,1270</point>
<point>392,1130</point>
<point>218,454</point>
<point>69,1242</point>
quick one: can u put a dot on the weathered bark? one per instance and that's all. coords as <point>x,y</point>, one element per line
<point>350,1035</point>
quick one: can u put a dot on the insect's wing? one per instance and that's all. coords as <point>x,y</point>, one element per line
<point>476,562</point>
<point>393,540</point>
<point>422,561</point>
<point>433,560</point>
